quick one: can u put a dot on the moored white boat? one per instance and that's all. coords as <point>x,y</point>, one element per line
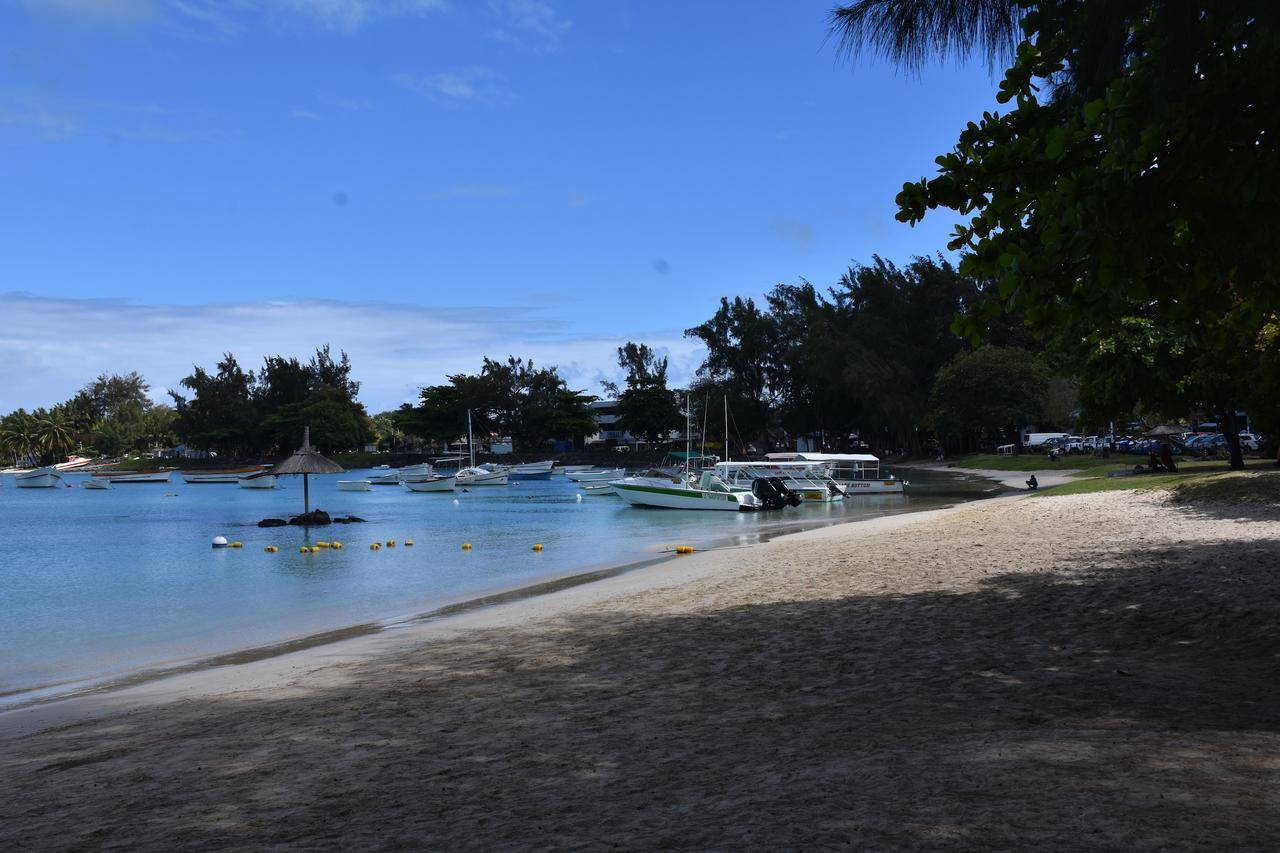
<point>146,475</point>
<point>396,476</point>
<point>72,463</point>
<point>94,484</point>
<point>532,470</point>
<point>570,469</point>
<point>258,480</point>
<point>40,478</point>
<point>432,484</point>
<point>587,476</point>
<point>481,477</point>
<point>660,489</point>
<point>595,489</point>
<point>221,475</point>
<point>855,473</point>
<point>353,485</point>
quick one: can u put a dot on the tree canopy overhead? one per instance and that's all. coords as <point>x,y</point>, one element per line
<point>1123,202</point>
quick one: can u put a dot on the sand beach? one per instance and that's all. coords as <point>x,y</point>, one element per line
<point>1085,672</point>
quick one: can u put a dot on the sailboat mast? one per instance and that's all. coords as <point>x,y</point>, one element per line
<point>726,429</point>
<point>702,436</point>
<point>688,413</point>
<point>471,445</point>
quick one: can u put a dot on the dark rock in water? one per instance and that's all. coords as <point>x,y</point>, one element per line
<point>351,519</point>
<point>315,518</point>
<point>272,522</point>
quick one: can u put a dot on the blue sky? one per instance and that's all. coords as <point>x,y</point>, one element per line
<point>426,182</point>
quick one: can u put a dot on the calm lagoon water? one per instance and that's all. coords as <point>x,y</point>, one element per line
<point>97,584</point>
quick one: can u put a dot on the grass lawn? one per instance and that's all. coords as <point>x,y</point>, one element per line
<point>1210,480</point>
<point>1088,466</point>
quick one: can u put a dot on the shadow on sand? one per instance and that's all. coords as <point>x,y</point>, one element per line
<point>1090,708</point>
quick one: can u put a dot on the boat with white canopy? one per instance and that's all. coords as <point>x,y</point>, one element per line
<point>855,473</point>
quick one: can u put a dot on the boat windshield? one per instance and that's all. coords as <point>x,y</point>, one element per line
<point>712,483</point>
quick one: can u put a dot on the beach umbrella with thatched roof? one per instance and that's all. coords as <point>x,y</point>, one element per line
<point>307,461</point>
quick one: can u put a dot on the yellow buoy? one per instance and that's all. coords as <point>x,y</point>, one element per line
<point>315,549</point>
<point>304,550</point>
<point>375,546</point>
<point>322,544</point>
<point>408,542</point>
<point>684,549</point>
<point>466,546</point>
<point>537,546</point>
<point>391,543</point>
<point>337,546</point>
<point>271,549</point>
<point>237,544</point>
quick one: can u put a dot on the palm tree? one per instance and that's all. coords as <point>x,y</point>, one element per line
<point>18,433</point>
<point>912,32</point>
<point>54,436</point>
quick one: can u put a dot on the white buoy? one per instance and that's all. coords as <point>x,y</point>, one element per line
<point>579,498</point>
<point>219,541</point>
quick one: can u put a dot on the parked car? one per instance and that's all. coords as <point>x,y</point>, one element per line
<point>1250,441</point>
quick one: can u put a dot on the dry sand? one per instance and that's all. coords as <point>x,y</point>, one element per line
<point>1082,672</point>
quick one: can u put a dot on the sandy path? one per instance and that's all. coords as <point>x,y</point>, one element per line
<point>1082,672</point>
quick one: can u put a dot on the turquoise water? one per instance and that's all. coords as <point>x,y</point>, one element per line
<point>97,584</point>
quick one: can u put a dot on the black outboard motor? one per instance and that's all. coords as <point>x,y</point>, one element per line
<point>773,494</point>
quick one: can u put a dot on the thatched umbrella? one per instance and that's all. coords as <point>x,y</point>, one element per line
<point>307,461</point>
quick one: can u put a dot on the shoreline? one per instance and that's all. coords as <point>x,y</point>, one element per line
<point>98,694</point>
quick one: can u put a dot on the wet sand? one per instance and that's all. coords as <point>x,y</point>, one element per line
<point>1079,672</point>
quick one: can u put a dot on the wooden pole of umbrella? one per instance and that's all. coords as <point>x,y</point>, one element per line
<point>307,461</point>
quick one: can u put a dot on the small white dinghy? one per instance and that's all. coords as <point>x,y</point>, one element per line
<point>353,485</point>
<point>95,484</point>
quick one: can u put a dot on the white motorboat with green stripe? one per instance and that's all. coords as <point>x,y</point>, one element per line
<point>663,489</point>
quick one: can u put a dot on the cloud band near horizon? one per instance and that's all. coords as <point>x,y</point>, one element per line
<point>50,347</point>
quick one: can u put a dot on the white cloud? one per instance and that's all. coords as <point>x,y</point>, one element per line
<point>474,84</point>
<point>117,12</point>
<point>50,347</point>
<point>351,15</point>
<point>39,122</point>
<point>531,23</point>
<point>224,18</point>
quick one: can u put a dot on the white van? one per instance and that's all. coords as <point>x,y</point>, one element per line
<point>1035,439</point>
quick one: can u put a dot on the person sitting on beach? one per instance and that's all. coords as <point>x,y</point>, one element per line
<point>1166,458</point>
<point>1033,483</point>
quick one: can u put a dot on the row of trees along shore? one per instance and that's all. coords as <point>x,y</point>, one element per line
<point>110,415</point>
<point>876,357</point>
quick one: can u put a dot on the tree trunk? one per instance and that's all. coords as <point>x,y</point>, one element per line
<point>1231,429</point>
